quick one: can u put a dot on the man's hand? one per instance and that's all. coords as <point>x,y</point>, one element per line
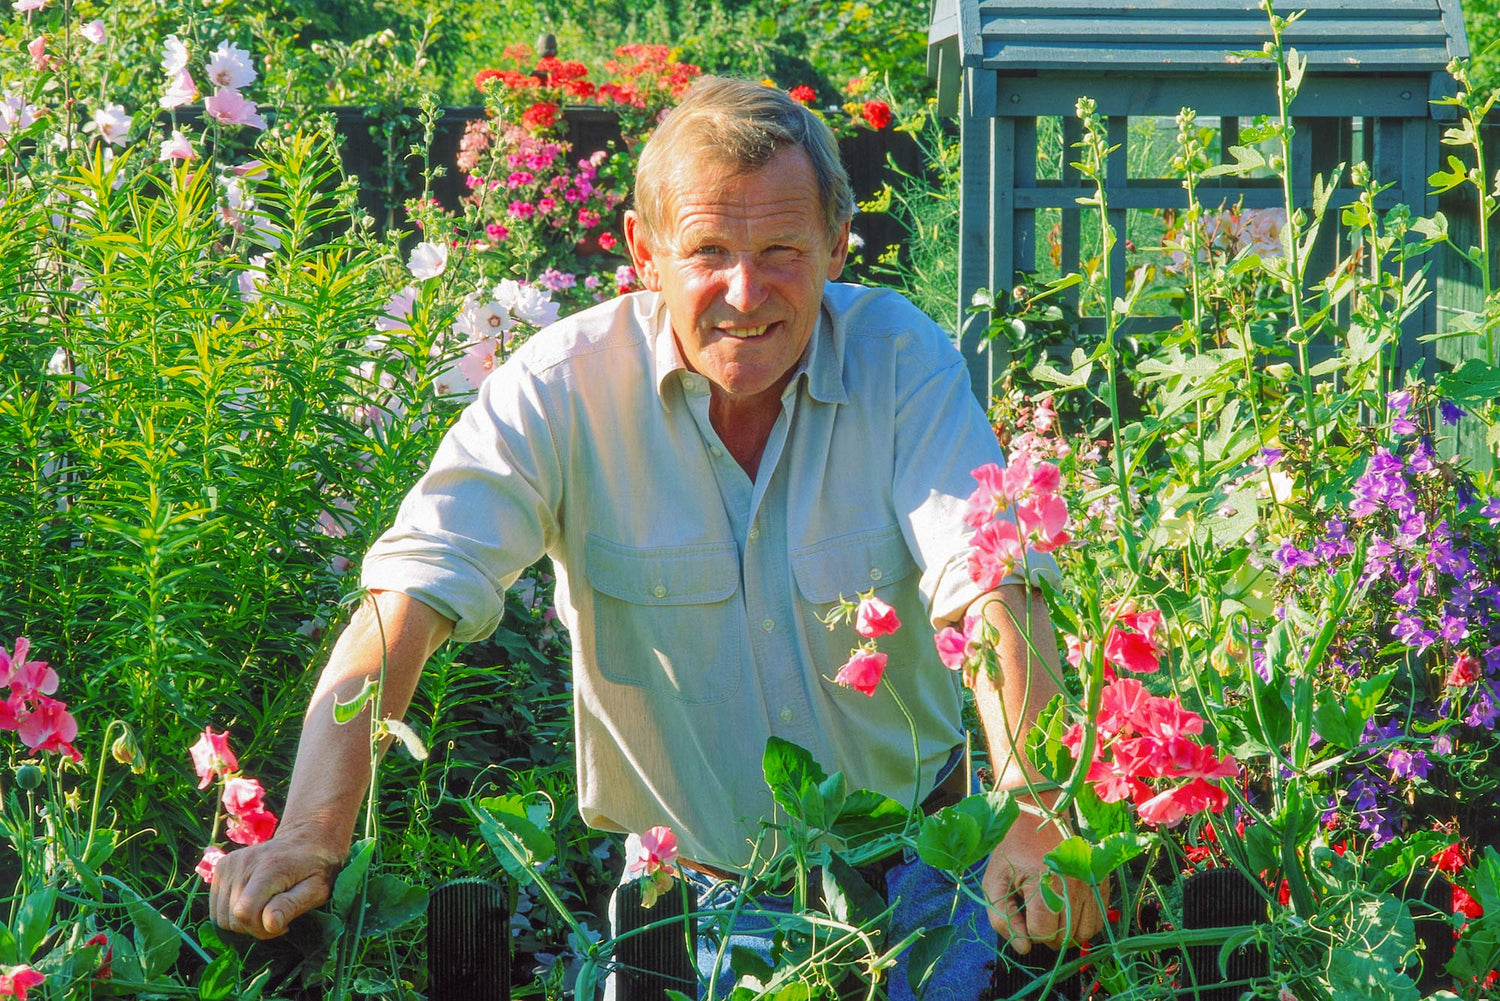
<point>1012,882</point>
<point>260,889</point>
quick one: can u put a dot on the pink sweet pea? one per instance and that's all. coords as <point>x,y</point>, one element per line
<point>15,981</point>
<point>50,727</point>
<point>875,618</point>
<point>206,865</point>
<point>650,853</point>
<point>212,757</point>
<point>243,796</point>
<point>1132,641</point>
<point>952,648</point>
<point>251,828</point>
<point>996,550</point>
<point>862,672</point>
<point>1465,671</point>
<point>27,678</point>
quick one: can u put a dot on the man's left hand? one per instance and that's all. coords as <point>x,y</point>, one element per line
<point>1012,882</point>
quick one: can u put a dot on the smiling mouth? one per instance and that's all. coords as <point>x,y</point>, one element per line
<point>744,333</point>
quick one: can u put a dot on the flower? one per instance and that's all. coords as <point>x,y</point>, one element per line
<point>1465,904</point>
<point>1451,858</point>
<point>877,113</point>
<point>104,970</point>
<point>228,106</point>
<point>526,302</point>
<point>540,115</point>
<point>428,260</point>
<point>206,865</point>
<point>37,48</point>
<point>243,796</point>
<point>1132,641</point>
<point>22,6</point>
<point>862,671</point>
<point>178,148</point>
<point>26,678</point>
<point>229,67</point>
<point>15,981</point>
<point>1465,671</point>
<point>174,57</point>
<point>803,94</point>
<point>93,32</point>
<point>50,727</point>
<point>212,757</point>
<point>875,618</point>
<point>111,123</point>
<point>251,828</point>
<point>398,309</point>
<point>607,241</point>
<point>652,856</point>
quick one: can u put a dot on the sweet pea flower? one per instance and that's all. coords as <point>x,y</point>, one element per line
<point>26,678</point>
<point>229,67</point>
<point>243,796</point>
<point>1132,641</point>
<point>37,48</point>
<point>251,828</point>
<point>875,618</point>
<point>428,260</point>
<point>862,671</point>
<point>15,981</point>
<point>228,106</point>
<point>93,32</point>
<point>1465,671</point>
<point>212,757</point>
<point>50,727</point>
<point>653,857</point>
<point>206,865</point>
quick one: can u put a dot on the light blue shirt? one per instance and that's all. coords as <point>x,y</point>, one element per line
<point>693,594</point>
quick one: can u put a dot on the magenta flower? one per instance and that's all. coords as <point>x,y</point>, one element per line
<point>252,828</point>
<point>17,980</point>
<point>653,857</point>
<point>212,757</point>
<point>862,671</point>
<point>875,618</point>
<point>210,861</point>
<point>27,678</point>
<point>50,727</point>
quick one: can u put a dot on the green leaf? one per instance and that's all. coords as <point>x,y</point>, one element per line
<point>867,815</point>
<point>506,824</point>
<point>1072,858</point>
<point>391,903</point>
<point>956,837</point>
<point>793,777</point>
<point>924,955</point>
<point>34,920</point>
<point>745,961</point>
<point>10,950</point>
<point>221,977</point>
<point>345,712</point>
<point>1446,180</point>
<point>346,886</point>
<point>1246,159</point>
<point>157,940</point>
<point>1475,383</point>
<point>849,898</point>
<point>1114,851</point>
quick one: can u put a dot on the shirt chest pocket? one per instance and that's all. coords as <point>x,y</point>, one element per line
<point>667,618</point>
<point>847,566</point>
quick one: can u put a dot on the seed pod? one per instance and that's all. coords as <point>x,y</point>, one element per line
<point>28,777</point>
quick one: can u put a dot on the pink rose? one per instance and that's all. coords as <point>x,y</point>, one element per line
<point>862,671</point>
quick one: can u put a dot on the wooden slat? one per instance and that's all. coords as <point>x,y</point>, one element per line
<point>973,247</point>
<point>1237,93</point>
<point>1171,195</point>
<point>1240,32</point>
<point>1005,152</point>
<point>1211,8</point>
<point>1193,58</point>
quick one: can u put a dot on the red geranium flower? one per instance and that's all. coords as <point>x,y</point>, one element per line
<point>540,115</point>
<point>803,94</point>
<point>877,113</point>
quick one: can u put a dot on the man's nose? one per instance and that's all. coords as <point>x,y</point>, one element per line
<point>744,289</point>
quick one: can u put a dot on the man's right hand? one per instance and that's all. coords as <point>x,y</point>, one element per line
<point>259,890</point>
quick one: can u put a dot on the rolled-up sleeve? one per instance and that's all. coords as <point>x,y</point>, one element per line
<point>942,435</point>
<point>486,509</point>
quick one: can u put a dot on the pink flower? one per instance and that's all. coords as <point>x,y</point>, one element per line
<point>212,757</point>
<point>15,982</point>
<point>22,6</point>
<point>650,853</point>
<point>50,727</point>
<point>1132,642</point>
<point>206,865</point>
<point>521,210</point>
<point>111,123</point>
<point>243,796</point>
<point>182,90</point>
<point>862,671</point>
<point>428,260</point>
<point>228,106</point>
<point>178,148</point>
<point>37,48</point>
<point>995,550</point>
<point>27,678</point>
<point>875,618</point>
<point>1465,671</point>
<point>952,648</point>
<point>229,67</point>
<point>93,32</point>
<point>1170,807</point>
<point>252,828</point>
<point>607,241</point>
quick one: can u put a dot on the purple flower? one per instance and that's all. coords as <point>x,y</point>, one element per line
<point>1442,745</point>
<point>1450,413</point>
<point>1406,764</point>
<point>1267,457</point>
<point>554,280</point>
<point>1482,712</point>
<point>1291,557</point>
<point>1410,630</point>
<point>1491,510</point>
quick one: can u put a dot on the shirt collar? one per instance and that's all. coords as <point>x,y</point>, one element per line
<point>822,363</point>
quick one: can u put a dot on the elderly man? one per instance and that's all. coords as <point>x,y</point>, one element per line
<point>710,464</point>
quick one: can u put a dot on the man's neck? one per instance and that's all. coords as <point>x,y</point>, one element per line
<point>744,426</point>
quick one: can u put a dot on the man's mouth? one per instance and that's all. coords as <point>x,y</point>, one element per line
<point>744,333</point>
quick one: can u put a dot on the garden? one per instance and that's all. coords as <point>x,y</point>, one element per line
<point>256,259</point>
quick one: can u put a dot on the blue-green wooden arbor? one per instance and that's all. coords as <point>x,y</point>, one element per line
<point>1003,64</point>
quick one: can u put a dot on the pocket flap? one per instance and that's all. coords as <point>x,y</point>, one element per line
<point>673,575</point>
<point>849,564</point>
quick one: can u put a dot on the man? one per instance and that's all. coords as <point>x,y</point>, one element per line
<point>710,464</point>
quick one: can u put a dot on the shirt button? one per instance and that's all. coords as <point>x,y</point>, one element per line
<point>875,573</point>
<point>767,624</point>
<point>754,533</point>
<point>786,714</point>
<point>660,590</point>
<point>690,383</point>
<point>717,451</point>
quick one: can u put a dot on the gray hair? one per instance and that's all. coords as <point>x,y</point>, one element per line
<point>739,125</point>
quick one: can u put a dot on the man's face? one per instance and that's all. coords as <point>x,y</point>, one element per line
<point>741,264</point>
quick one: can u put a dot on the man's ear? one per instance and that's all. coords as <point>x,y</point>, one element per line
<point>839,253</point>
<point>640,251</point>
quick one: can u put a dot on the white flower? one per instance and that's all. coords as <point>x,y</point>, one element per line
<point>526,302</point>
<point>22,6</point>
<point>855,241</point>
<point>174,55</point>
<point>252,278</point>
<point>181,90</point>
<point>428,260</point>
<point>229,66</point>
<point>93,31</point>
<point>487,320</point>
<point>111,123</point>
<point>177,148</point>
<point>15,113</point>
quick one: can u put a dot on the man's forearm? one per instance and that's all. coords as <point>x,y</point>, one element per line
<point>1010,703</point>
<point>332,771</point>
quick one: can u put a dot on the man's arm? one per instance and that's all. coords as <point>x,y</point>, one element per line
<point>260,889</point>
<point>1008,707</point>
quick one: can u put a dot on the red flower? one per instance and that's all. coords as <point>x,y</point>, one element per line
<point>206,865</point>
<point>18,981</point>
<point>1465,904</point>
<point>607,241</point>
<point>251,828</point>
<point>1464,672</point>
<point>212,757</point>
<point>862,671</point>
<point>105,970</point>
<point>540,115</point>
<point>1450,859</point>
<point>1132,642</point>
<point>803,94</point>
<point>243,797</point>
<point>875,618</point>
<point>877,113</point>
<point>50,727</point>
<point>484,76</point>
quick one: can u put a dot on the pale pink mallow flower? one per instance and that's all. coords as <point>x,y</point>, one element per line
<point>212,757</point>
<point>174,57</point>
<point>228,106</point>
<point>177,148</point>
<point>229,67</point>
<point>428,260</point>
<point>37,48</point>
<point>15,114</point>
<point>23,6</point>
<point>112,124</point>
<point>93,32</point>
<point>875,618</point>
<point>181,90</point>
<point>210,861</point>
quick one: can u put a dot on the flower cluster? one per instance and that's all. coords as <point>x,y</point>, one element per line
<point>873,618</point>
<point>1228,232</point>
<point>1133,642</point>
<point>1027,492</point>
<point>243,799</point>
<point>652,857</point>
<point>1145,737</point>
<point>644,77</point>
<point>43,723</point>
<point>229,70</point>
